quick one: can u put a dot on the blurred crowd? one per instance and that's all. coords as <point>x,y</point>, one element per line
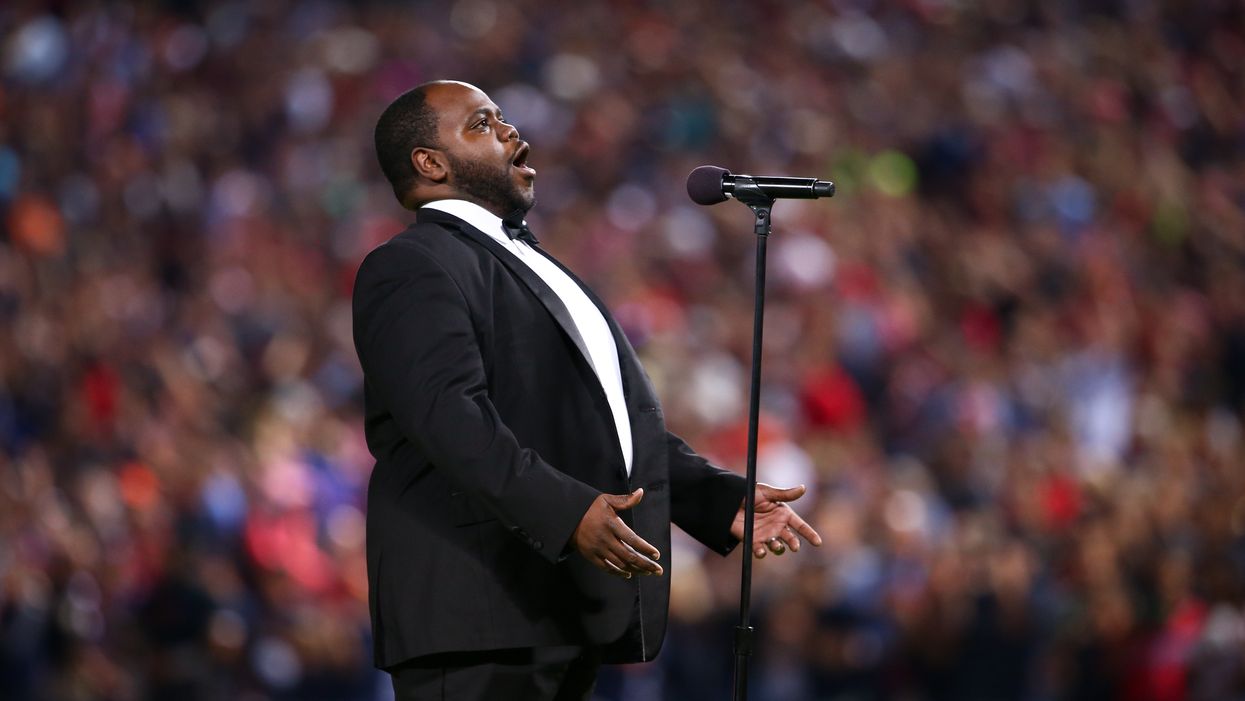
<point>1008,358</point>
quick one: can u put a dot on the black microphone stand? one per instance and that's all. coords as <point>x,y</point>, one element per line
<point>748,192</point>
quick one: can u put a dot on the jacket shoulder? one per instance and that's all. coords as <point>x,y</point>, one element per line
<point>421,246</point>
<point>422,240</point>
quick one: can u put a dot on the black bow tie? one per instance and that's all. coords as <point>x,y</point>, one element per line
<point>516,228</point>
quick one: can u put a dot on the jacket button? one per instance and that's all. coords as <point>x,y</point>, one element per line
<point>538,545</point>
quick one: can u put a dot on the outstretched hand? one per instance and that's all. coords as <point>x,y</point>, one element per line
<point>605,541</point>
<point>775,526</point>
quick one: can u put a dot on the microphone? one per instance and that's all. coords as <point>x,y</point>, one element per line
<point>710,185</point>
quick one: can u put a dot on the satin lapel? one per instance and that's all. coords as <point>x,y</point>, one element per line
<point>638,393</point>
<point>633,376</point>
<point>547,296</point>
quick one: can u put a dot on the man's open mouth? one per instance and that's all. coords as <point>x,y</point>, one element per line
<point>520,159</point>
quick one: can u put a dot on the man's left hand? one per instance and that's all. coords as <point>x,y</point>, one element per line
<point>776,527</point>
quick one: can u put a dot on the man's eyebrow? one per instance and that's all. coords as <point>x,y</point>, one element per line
<point>484,112</point>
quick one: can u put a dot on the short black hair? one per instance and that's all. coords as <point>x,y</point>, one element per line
<point>408,122</point>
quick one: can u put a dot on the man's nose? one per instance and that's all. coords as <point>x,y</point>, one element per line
<point>508,132</point>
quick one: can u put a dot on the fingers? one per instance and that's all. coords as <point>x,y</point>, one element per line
<point>778,544</point>
<point>775,494</point>
<point>780,530</point>
<point>609,544</point>
<point>622,560</point>
<point>613,568</point>
<point>794,526</point>
<point>632,550</point>
<point>632,539</point>
<point>635,562</point>
<point>622,502</point>
<point>774,545</point>
<point>800,526</point>
<point>788,540</point>
<point>627,563</point>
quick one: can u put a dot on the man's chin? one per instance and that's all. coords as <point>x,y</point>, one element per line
<point>525,197</point>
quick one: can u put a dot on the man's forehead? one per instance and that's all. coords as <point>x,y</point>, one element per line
<point>454,99</point>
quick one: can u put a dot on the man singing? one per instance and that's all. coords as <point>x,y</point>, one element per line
<point>519,512</point>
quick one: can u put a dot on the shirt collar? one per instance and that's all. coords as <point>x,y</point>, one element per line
<point>474,215</point>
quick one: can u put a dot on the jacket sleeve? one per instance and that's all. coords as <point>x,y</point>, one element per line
<point>703,499</point>
<point>420,355</point>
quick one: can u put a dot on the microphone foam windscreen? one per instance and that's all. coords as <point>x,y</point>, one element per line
<point>704,185</point>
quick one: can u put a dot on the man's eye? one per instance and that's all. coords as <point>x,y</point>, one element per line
<point>483,123</point>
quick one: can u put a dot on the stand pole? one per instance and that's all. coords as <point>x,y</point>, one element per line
<point>761,205</point>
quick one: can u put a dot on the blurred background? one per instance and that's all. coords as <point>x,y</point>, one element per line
<point>1008,358</point>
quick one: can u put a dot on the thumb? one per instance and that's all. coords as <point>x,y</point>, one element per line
<point>788,494</point>
<point>622,502</point>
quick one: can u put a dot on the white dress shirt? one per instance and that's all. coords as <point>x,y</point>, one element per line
<point>602,351</point>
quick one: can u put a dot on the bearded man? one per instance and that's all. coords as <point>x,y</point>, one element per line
<point>519,512</point>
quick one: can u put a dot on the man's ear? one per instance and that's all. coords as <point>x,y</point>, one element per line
<point>430,164</point>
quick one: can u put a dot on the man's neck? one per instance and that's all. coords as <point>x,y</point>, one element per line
<point>457,196</point>
<point>470,212</point>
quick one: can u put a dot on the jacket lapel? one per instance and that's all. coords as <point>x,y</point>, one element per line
<point>647,425</point>
<point>547,296</point>
<point>633,376</point>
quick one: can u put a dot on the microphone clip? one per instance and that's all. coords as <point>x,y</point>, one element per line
<point>750,193</point>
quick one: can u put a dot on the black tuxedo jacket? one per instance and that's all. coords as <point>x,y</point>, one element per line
<point>492,436</point>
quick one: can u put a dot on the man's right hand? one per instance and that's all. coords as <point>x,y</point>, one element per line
<point>608,543</point>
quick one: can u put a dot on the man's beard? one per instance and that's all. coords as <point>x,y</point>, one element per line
<point>492,187</point>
